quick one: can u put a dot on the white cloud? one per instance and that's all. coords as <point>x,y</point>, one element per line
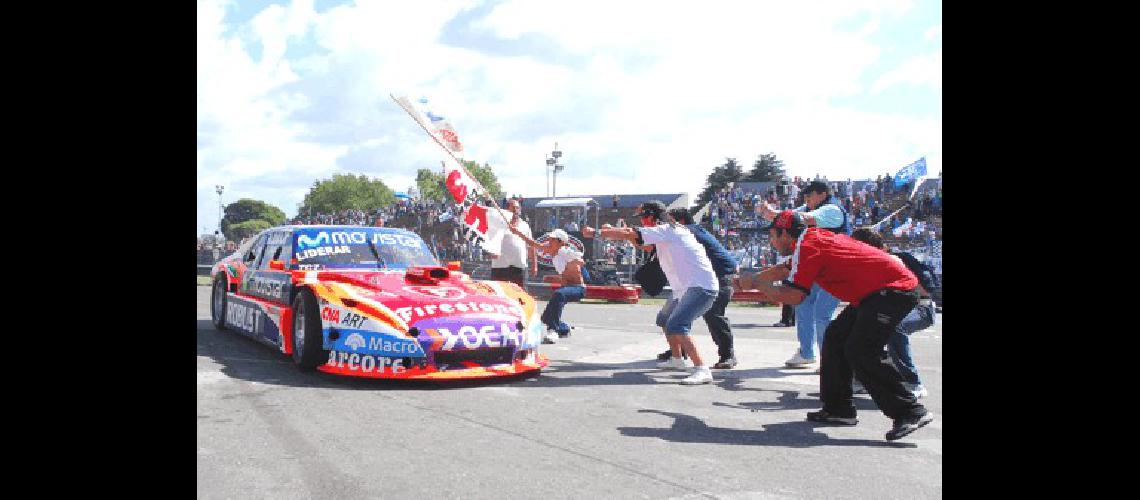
<point>641,96</point>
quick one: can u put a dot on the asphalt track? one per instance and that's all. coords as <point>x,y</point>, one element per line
<point>600,422</point>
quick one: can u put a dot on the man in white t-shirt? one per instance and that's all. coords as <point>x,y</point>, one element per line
<point>510,265</point>
<point>690,274</point>
<point>568,262</point>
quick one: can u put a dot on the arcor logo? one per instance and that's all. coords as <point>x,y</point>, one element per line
<point>355,341</point>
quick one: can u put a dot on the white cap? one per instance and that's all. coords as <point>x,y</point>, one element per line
<point>560,234</point>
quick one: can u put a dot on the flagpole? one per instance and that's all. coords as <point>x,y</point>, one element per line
<point>457,160</point>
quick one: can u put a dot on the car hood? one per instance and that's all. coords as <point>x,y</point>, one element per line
<point>403,303</point>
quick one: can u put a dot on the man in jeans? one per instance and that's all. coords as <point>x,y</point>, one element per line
<point>725,267</point>
<point>881,292</point>
<point>568,262</point>
<point>920,318</point>
<point>813,314</point>
<point>690,274</point>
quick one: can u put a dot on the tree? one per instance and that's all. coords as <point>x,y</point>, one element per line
<point>766,169</point>
<point>720,177</point>
<point>243,230</point>
<point>486,177</point>
<point>248,210</point>
<point>431,185</point>
<point>347,191</point>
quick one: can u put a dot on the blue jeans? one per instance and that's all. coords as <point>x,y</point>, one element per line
<point>919,318</point>
<point>552,315</point>
<point>677,315</point>
<point>812,317</point>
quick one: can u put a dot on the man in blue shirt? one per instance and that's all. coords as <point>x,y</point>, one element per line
<point>725,267</point>
<point>821,210</point>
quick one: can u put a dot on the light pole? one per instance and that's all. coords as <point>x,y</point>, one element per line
<point>558,167</point>
<point>219,188</point>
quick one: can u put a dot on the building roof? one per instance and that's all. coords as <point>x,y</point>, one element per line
<point>624,200</point>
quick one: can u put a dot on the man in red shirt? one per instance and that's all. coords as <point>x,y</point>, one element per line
<point>880,291</point>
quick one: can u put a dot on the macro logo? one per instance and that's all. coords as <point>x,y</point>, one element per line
<point>355,341</point>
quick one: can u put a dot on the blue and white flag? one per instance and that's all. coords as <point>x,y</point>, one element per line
<point>911,172</point>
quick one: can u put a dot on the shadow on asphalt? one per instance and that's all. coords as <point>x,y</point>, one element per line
<point>802,434</point>
<point>757,325</point>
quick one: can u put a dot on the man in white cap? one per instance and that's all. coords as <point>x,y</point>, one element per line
<point>568,262</point>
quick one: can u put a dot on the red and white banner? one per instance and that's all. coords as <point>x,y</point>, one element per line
<point>436,125</point>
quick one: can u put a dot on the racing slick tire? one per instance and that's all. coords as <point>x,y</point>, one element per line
<point>218,302</point>
<point>308,348</point>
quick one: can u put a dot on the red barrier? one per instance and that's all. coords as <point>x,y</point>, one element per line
<point>628,294</point>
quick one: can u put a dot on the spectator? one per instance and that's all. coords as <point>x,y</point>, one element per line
<point>881,292</point>
<point>568,262</point>
<point>920,318</point>
<point>813,314</point>
<point>689,272</point>
<point>511,264</point>
<point>725,266</point>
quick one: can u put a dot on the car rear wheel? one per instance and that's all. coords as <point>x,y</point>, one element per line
<point>218,302</point>
<point>308,348</point>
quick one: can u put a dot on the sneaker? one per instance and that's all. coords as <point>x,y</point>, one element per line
<point>919,391</point>
<point>904,426</point>
<point>798,361</point>
<point>550,337</point>
<point>702,375</point>
<point>823,417</point>
<point>857,387</point>
<point>725,363</point>
<point>674,364</point>
<point>668,354</point>
<point>567,334</point>
<point>781,325</point>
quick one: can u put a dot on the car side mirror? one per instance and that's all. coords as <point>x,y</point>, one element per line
<point>277,265</point>
<point>455,265</point>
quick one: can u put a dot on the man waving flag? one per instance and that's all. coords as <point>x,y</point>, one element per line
<point>483,225</point>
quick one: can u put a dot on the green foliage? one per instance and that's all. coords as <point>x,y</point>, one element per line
<point>431,185</point>
<point>486,177</point>
<point>720,177</point>
<point>766,169</point>
<point>347,191</point>
<point>248,228</point>
<point>246,210</point>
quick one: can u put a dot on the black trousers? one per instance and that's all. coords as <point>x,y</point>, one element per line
<point>854,343</point>
<point>788,315</point>
<point>718,322</point>
<point>516,275</point>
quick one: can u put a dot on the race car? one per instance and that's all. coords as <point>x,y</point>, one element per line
<point>373,302</point>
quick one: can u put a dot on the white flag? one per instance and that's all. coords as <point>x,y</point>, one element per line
<point>487,226</point>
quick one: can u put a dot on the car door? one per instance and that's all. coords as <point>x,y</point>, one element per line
<point>271,287</point>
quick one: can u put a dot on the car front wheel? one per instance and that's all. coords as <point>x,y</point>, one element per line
<point>308,348</point>
<point>218,302</point>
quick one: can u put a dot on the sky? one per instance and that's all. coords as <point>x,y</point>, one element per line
<point>640,96</point>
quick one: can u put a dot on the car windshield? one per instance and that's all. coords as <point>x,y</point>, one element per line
<point>359,248</point>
